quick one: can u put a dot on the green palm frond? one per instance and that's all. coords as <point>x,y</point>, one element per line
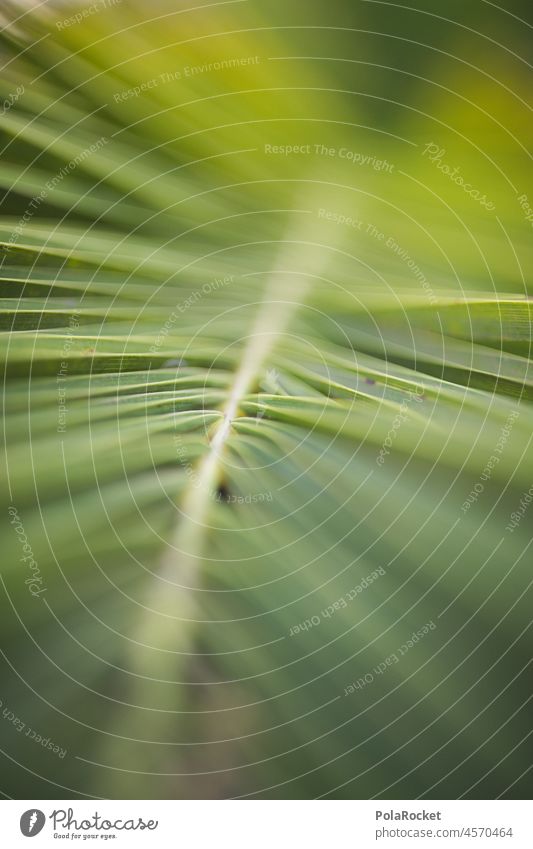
<point>267,413</point>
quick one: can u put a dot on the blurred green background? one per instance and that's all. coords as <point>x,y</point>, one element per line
<point>333,200</point>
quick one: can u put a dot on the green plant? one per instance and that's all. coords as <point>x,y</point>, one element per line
<point>267,413</point>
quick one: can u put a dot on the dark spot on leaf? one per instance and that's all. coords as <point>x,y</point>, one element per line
<point>223,493</point>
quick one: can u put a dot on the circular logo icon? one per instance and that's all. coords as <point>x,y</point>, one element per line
<point>32,822</point>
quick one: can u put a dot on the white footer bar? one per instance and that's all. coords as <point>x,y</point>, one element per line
<point>273,824</point>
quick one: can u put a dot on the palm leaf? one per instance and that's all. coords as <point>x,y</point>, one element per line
<point>251,451</point>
